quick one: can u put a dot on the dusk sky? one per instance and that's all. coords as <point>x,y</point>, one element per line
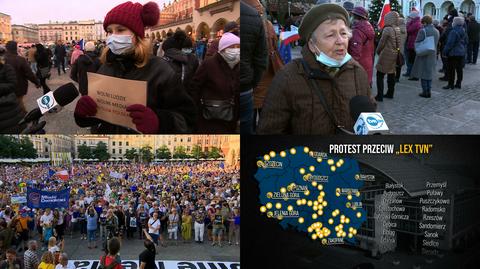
<point>41,11</point>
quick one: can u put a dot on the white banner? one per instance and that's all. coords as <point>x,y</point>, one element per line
<point>133,264</point>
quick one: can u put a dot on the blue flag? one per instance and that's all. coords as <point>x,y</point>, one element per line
<point>50,173</point>
<point>82,44</point>
<point>222,165</point>
<point>285,52</point>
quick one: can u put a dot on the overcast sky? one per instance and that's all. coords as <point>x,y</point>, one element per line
<point>41,11</point>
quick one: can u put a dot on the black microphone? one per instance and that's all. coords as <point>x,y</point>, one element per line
<point>359,104</point>
<point>63,96</point>
<point>35,128</point>
<point>368,121</point>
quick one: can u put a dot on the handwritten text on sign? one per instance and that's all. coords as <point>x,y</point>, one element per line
<point>114,95</point>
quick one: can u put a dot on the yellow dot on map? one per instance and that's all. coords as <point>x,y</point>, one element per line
<point>333,168</point>
<point>269,214</point>
<point>337,228</point>
<point>342,221</point>
<point>310,229</point>
<point>263,209</point>
<point>348,205</point>
<point>266,157</point>
<point>320,207</point>
<point>354,231</point>
<point>290,208</point>
<point>278,205</point>
<point>330,221</point>
<point>269,195</point>
<point>283,154</point>
<point>334,213</point>
<point>341,161</point>
<point>358,194</point>
<point>340,225</point>
<point>359,214</point>
<point>350,235</point>
<point>349,197</point>
<point>319,224</point>
<point>347,220</point>
<point>319,160</point>
<point>311,168</point>
<point>269,205</point>
<point>300,220</point>
<point>324,203</point>
<point>280,217</point>
<point>272,154</point>
<point>320,212</point>
<point>320,187</point>
<point>315,208</point>
<point>299,202</point>
<point>322,193</point>
<point>339,234</point>
<point>307,192</point>
<point>314,183</point>
<point>293,151</point>
<point>357,177</point>
<point>342,217</point>
<point>344,234</point>
<point>314,236</point>
<point>309,203</point>
<point>338,164</point>
<point>337,194</point>
<point>330,161</point>
<point>314,216</point>
<point>302,171</point>
<point>283,190</point>
<point>306,149</point>
<point>315,203</point>
<point>304,201</point>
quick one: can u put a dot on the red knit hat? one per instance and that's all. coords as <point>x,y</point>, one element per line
<point>134,16</point>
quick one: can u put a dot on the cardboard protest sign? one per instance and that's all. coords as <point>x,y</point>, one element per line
<point>114,95</point>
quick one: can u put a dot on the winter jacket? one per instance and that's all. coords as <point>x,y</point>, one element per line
<point>424,66</point>
<point>473,31</point>
<point>413,27</point>
<point>293,107</point>
<point>88,62</point>
<point>60,51</point>
<point>456,42</point>
<point>10,111</point>
<point>23,72</point>
<point>215,80</point>
<point>75,54</point>
<point>165,96</point>
<point>361,45</point>
<point>253,49</point>
<point>389,45</point>
<point>184,65</point>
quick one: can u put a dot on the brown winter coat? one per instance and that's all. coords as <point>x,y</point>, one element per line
<point>389,45</point>
<point>260,92</point>
<point>292,107</point>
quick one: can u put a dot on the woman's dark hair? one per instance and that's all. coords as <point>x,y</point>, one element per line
<point>113,246</point>
<point>149,245</point>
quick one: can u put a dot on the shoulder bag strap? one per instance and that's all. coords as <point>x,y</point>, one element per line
<point>313,84</point>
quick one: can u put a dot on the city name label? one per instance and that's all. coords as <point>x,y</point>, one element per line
<point>133,264</point>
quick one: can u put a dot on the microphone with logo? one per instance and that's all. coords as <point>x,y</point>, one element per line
<point>63,96</point>
<point>368,121</point>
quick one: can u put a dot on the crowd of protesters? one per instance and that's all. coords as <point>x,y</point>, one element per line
<point>169,203</point>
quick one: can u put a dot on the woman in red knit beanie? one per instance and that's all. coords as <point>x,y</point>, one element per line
<point>128,55</point>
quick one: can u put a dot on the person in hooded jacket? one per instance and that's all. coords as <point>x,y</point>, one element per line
<point>388,50</point>
<point>413,26</point>
<point>87,62</point>
<point>184,65</point>
<point>42,56</point>
<point>455,49</point>
<point>215,88</point>
<point>128,55</point>
<point>361,45</point>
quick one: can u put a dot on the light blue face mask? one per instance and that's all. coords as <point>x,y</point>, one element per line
<point>119,44</point>
<point>330,62</point>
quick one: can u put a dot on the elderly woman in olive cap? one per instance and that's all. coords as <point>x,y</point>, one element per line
<point>325,71</point>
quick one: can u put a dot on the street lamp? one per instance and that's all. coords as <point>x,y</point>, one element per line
<point>289,3</point>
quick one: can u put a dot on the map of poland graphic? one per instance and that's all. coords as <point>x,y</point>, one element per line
<point>313,193</point>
